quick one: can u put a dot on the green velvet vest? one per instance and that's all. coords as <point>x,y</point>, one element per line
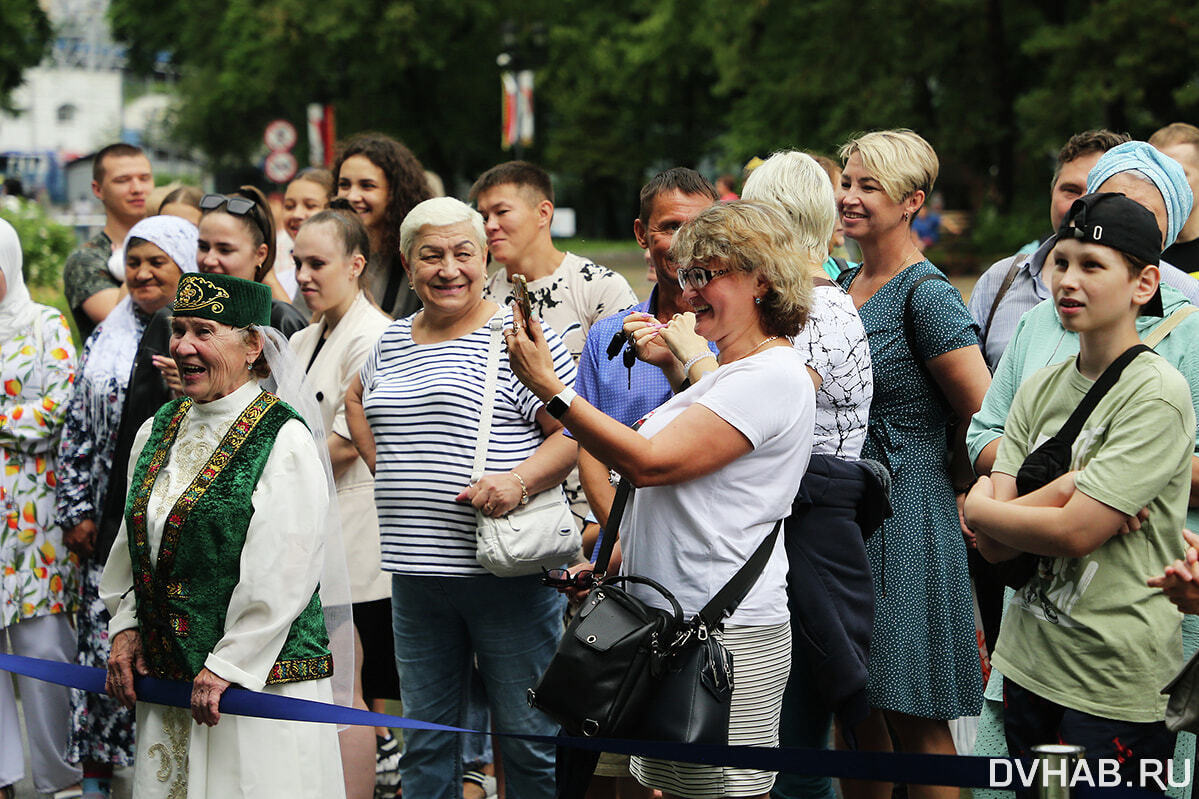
<point>183,598</point>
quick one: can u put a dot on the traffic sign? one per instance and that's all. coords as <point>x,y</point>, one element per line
<point>280,135</point>
<point>280,166</point>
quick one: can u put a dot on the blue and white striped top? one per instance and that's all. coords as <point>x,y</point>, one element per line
<point>423,403</point>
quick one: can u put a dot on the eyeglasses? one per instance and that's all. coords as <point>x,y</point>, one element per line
<point>562,578</point>
<point>237,206</point>
<point>697,277</point>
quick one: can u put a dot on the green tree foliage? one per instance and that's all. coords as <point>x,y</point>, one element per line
<point>631,86</point>
<point>1123,64</point>
<point>45,244</point>
<point>422,70</point>
<point>629,92</point>
<point>26,36</point>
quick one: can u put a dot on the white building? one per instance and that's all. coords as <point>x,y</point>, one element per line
<point>71,104</point>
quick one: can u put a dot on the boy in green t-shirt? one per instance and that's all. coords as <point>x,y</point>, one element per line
<point>1087,645</point>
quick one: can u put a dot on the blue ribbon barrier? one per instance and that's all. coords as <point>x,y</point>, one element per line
<point>963,771</point>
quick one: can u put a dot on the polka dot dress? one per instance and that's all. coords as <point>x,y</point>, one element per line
<point>923,656</point>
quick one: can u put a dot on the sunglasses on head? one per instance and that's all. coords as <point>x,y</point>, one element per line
<point>237,206</point>
<point>697,277</point>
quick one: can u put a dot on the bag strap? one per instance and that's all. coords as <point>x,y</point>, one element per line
<point>496,323</point>
<point>612,528</point>
<point>1165,328</point>
<point>1111,374</point>
<point>729,597</point>
<point>1003,289</point>
<point>909,333</point>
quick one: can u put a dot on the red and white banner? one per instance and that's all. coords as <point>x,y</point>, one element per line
<point>510,110</point>
<point>524,80</point>
<point>322,136</point>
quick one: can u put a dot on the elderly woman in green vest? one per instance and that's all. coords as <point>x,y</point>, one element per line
<point>214,576</point>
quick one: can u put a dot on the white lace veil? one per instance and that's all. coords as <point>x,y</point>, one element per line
<point>290,385</point>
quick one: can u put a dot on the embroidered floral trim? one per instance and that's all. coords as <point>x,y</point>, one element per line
<point>196,293</point>
<point>220,458</point>
<point>153,609</point>
<point>176,723</point>
<point>300,670</point>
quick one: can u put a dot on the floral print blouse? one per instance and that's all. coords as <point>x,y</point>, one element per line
<point>37,575</point>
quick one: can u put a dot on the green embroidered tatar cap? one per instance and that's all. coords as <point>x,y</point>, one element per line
<point>221,298</point>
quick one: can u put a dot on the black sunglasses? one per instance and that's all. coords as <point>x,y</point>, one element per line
<point>237,206</point>
<point>562,578</point>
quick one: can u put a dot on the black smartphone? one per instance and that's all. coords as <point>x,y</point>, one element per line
<point>520,288</point>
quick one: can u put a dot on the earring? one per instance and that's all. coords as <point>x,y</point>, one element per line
<point>249,367</point>
<point>757,300</point>
<point>905,216</point>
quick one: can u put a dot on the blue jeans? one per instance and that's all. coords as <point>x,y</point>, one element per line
<point>511,625</point>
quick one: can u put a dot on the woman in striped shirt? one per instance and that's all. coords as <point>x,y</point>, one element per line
<point>414,415</point>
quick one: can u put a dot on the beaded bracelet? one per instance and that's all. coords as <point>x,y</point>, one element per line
<point>524,489</point>
<point>692,361</point>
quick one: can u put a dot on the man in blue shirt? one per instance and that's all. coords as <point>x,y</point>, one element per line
<point>670,199</point>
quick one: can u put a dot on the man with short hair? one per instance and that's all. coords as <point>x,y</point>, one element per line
<point>122,180</point>
<point>1180,141</point>
<point>567,292</point>
<point>570,293</point>
<point>1015,284</point>
<point>669,200</point>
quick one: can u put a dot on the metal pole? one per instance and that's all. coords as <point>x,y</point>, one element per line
<point>1056,763</point>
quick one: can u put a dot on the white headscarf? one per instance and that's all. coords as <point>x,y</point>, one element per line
<point>17,308</point>
<point>114,343</point>
<point>173,235</point>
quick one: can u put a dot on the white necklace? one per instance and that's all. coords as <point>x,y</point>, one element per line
<point>757,347</point>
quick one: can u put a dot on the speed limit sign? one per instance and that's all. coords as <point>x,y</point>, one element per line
<point>280,166</point>
<point>280,135</point>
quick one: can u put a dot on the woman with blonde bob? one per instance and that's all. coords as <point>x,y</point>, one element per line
<point>924,665</point>
<point>716,465</point>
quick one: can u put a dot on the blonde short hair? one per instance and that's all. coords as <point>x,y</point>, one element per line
<point>1175,133</point>
<point>439,212</point>
<point>797,183</point>
<point>900,160</point>
<point>758,239</point>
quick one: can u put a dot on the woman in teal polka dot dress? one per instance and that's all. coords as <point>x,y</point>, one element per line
<point>924,663</point>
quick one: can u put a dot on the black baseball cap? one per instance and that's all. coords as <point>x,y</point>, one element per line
<point>1113,220</point>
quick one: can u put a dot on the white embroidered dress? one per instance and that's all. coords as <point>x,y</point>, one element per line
<point>280,567</point>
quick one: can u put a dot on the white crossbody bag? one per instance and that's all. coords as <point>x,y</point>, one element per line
<point>540,534</point>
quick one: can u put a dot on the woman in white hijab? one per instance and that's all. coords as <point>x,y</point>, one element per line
<point>37,575</point>
<point>158,250</point>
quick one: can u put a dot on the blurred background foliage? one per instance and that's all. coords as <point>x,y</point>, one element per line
<point>627,87</point>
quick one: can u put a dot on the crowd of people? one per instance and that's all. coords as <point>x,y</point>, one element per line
<point>268,466</point>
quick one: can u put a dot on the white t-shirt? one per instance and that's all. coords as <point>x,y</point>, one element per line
<point>692,537</point>
<point>834,344</point>
<point>577,295</point>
